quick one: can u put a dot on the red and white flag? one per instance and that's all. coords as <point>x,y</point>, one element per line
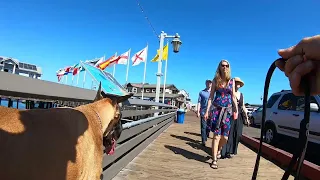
<point>68,69</point>
<point>123,58</point>
<point>139,57</point>
<point>60,74</point>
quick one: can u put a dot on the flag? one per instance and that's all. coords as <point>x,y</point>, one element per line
<point>60,73</point>
<point>99,61</point>
<point>76,69</point>
<point>139,57</point>
<point>164,54</point>
<point>92,62</point>
<point>123,58</point>
<point>106,63</point>
<point>68,70</point>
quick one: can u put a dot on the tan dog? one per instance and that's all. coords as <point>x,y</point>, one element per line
<point>58,143</point>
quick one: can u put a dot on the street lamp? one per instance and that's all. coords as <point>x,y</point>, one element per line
<point>176,42</point>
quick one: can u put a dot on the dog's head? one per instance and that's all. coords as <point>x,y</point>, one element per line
<point>110,114</point>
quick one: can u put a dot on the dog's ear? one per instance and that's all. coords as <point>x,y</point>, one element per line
<point>99,94</point>
<point>120,99</point>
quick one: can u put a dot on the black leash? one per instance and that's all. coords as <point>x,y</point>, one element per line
<point>303,133</point>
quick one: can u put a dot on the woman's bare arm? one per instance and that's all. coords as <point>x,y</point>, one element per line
<point>234,98</point>
<point>213,89</point>
<point>245,109</point>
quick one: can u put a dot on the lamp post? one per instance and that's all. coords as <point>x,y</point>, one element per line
<point>176,42</point>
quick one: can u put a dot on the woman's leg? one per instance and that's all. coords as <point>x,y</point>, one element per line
<point>216,134</point>
<point>225,131</point>
<point>223,141</point>
<point>215,146</point>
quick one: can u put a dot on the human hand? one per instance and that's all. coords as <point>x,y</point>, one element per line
<point>235,115</point>
<point>303,58</point>
<point>248,122</point>
<point>198,114</point>
<point>206,115</point>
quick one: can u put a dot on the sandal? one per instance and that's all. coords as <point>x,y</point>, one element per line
<point>219,155</point>
<point>213,164</point>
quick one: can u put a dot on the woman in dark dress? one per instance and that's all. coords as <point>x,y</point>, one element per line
<point>236,125</point>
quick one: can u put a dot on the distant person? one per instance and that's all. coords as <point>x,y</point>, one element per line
<point>224,90</point>
<point>236,125</point>
<point>302,59</point>
<point>202,108</point>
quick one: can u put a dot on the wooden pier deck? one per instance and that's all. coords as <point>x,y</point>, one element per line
<point>177,154</point>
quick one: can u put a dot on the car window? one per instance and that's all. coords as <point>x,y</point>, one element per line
<point>287,102</point>
<point>300,102</point>
<point>259,109</point>
<point>272,100</point>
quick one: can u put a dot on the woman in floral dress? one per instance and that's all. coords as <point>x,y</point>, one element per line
<point>222,108</point>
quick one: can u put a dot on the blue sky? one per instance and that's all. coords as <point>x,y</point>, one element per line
<point>55,34</point>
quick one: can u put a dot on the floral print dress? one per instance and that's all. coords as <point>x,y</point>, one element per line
<point>222,110</point>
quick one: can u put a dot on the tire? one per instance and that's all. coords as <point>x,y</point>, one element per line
<point>270,134</point>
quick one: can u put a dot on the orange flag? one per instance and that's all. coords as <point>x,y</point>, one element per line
<point>106,63</point>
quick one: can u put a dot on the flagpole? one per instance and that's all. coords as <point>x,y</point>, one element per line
<point>114,66</point>
<point>84,78</point>
<point>145,70</point>
<point>165,76</point>
<point>92,78</point>
<point>78,77</point>
<point>66,79</point>
<point>72,79</point>
<point>128,64</point>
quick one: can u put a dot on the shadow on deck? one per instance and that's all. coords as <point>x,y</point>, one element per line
<point>177,154</point>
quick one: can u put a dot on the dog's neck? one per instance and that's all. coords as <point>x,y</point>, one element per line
<point>99,121</point>
<point>104,113</point>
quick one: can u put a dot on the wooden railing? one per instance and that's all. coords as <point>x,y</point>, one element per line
<point>136,136</point>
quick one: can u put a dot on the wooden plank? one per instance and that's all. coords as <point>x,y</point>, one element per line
<point>131,113</point>
<point>178,154</point>
<point>127,146</point>
<point>116,167</point>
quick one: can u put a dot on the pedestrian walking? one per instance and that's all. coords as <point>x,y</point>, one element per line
<point>202,108</point>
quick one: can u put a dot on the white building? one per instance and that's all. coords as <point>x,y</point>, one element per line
<point>13,66</point>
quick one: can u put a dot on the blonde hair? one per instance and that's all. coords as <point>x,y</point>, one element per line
<point>217,78</point>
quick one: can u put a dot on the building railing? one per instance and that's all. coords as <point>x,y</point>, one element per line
<point>140,124</point>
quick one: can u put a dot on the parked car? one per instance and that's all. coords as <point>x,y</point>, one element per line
<point>249,111</point>
<point>256,116</point>
<point>284,114</point>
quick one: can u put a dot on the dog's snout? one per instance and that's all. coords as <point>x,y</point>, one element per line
<point>118,130</point>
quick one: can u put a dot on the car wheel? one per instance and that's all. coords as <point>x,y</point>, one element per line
<point>270,134</point>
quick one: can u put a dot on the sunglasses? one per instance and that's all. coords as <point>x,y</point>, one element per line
<point>224,65</point>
